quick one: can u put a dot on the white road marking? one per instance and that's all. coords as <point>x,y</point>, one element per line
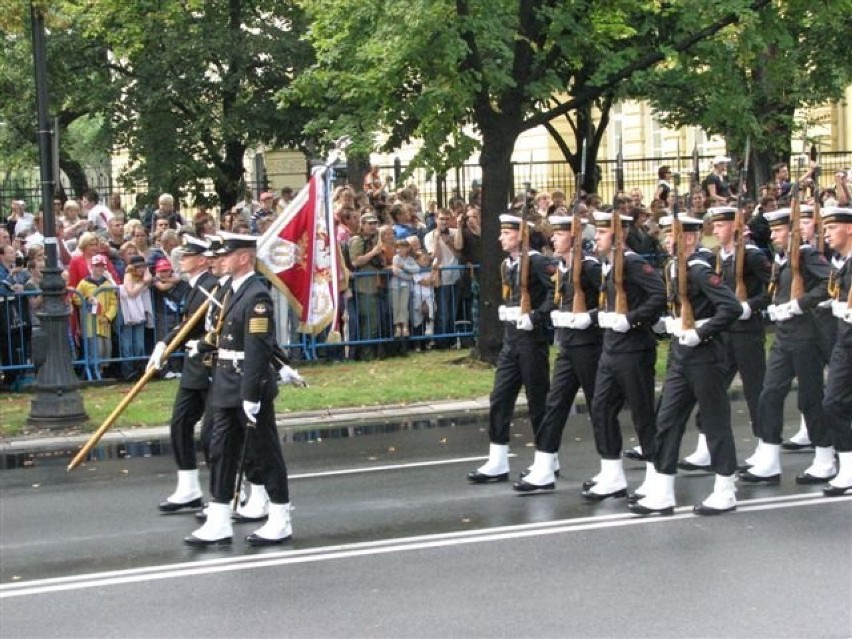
<point>372,469</point>
<point>362,549</point>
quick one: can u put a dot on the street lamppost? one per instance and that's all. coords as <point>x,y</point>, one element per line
<point>57,402</point>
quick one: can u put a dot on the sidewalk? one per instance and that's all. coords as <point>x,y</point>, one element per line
<point>308,420</point>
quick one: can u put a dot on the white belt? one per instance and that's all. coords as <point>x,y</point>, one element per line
<point>840,308</point>
<point>231,356</point>
<point>674,325</point>
<point>561,319</point>
<point>508,313</point>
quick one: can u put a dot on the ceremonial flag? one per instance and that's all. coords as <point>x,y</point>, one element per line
<point>299,254</point>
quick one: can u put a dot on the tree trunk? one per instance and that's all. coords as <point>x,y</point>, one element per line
<point>495,160</point>
<point>230,181</point>
<point>357,166</point>
<point>76,175</point>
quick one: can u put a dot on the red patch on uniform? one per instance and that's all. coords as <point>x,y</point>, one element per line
<point>715,280</point>
<point>550,269</point>
<point>648,269</point>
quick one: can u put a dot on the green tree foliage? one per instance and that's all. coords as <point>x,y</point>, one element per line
<point>78,85</point>
<point>186,86</point>
<point>749,79</point>
<point>198,82</point>
<point>474,74</point>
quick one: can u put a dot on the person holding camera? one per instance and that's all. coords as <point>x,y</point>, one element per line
<point>366,255</point>
<point>441,245</point>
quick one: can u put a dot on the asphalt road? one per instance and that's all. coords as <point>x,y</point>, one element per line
<point>390,541</point>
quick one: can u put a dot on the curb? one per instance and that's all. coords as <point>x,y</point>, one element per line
<point>288,422</point>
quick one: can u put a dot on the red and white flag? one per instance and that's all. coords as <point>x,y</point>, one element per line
<point>299,254</point>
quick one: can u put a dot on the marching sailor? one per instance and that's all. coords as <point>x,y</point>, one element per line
<point>524,357</point>
<point>696,374</point>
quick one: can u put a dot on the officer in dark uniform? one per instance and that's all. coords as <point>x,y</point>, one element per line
<point>794,353</point>
<point>744,340</point>
<point>580,349</point>
<point>837,404</point>
<point>696,373</point>
<point>626,367</point>
<point>191,396</point>
<point>524,358</point>
<point>242,402</point>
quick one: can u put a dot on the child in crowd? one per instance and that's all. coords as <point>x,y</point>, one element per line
<point>102,302</point>
<point>168,292</point>
<point>403,269</point>
<point>423,295</point>
<point>136,313</point>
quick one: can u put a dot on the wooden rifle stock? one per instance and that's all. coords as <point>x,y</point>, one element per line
<point>579,303</point>
<point>618,264</point>
<point>525,302</point>
<point>138,386</point>
<point>797,287</point>
<point>687,315</point>
<point>819,229</point>
<point>739,256</point>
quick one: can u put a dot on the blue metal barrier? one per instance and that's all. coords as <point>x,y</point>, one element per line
<point>367,323</point>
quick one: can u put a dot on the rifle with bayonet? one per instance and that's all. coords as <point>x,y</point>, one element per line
<point>739,231</point>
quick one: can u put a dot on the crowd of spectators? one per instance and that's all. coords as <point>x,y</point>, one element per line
<point>412,267</point>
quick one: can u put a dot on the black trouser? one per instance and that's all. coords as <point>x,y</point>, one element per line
<point>799,359</point>
<point>746,355</point>
<point>523,361</point>
<point>575,367</point>
<point>188,409</point>
<point>263,448</point>
<point>686,384</point>
<point>624,377</point>
<point>837,404</point>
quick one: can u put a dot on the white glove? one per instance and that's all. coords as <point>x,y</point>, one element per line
<point>839,309</point>
<point>291,376</point>
<point>620,324</point>
<point>746,314</point>
<point>192,348</point>
<point>793,308</point>
<point>673,326</point>
<point>848,317</point>
<point>772,311</point>
<point>524,322</point>
<point>251,409</point>
<point>661,326</point>
<point>501,312</point>
<point>156,359</point>
<point>689,338</point>
<point>581,321</point>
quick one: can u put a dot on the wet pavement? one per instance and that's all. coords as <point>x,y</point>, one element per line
<point>391,541</point>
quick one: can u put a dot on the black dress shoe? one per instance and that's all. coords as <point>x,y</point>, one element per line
<point>201,516</point>
<point>806,479</point>
<point>192,540</point>
<point>743,467</point>
<point>237,518</point>
<point>791,445</point>
<point>526,472</point>
<point>588,484</point>
<point>634,455</point>
<point>526,487</point>
<point>748,477</point>
<point>172,507</point>
<point>256,540</point>
<point>701,509</point>
<point>592,496</point>
<point>688,465</point>
<point>639,509</point>
<point>835,491</point>
<point>633,497</point>
<point>475,477</point>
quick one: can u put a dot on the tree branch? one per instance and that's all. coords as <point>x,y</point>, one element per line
<point>645,62</point>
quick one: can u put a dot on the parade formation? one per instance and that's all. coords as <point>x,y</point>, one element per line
<point>608,308</point>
